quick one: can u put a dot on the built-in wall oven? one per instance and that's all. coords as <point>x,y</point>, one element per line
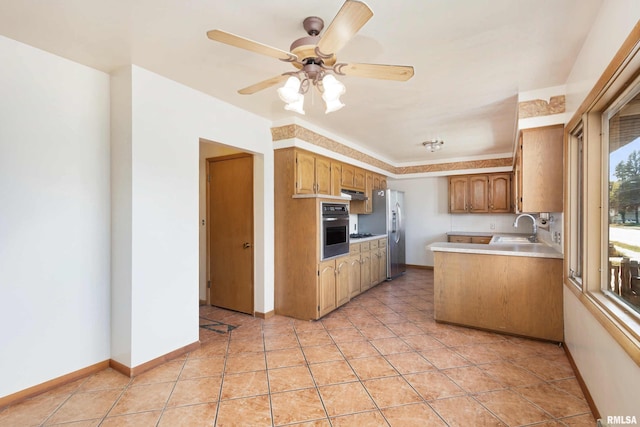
<point>334,232</point>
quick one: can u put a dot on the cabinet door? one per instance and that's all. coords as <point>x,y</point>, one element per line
<point>359,179</point>
<point>354,275</point>
<point>517,175</point>
<point>368,189</point>
<point>343,277</point>
<point>478,194</point>
<point>348,175</point>
<point>382,273</point>
<point>336,176</point>
<point>500,193</point>
<point>326,287</point>
<point>481,239</point>
<point>375,267</point>
<point>458,194</point>
<point>460,239</point>
<point>376,181</point>
<point>305,173</point>
<point>541,168</point>
<point>323,175</point>
<point>365,271</point>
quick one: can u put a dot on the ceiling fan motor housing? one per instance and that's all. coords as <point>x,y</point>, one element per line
<point>305,47</point>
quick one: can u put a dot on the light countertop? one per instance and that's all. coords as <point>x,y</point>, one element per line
<point>539,250</point>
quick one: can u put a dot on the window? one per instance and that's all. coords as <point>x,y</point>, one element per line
<point>621,125</point>
<point>576,205</point>
<point>602,199</point>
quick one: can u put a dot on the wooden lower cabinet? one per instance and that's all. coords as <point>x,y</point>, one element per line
<point>326,287</point>
<point>367,266</point>
<point>468,239</point>
<point>343,276</point>
<point>382,267</point>
<point>354,274</point>
<point>333,284</point>
<point>511,294</point>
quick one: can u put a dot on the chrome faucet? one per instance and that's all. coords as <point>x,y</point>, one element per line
<point>533,238</point>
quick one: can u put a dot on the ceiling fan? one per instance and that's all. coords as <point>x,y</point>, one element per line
<point>314,56</point>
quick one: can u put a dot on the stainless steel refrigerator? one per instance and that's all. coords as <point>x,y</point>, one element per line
<point>387,218</point>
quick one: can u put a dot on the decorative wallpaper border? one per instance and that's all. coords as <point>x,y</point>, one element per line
<point>540,107</point>
<point>295,131</point>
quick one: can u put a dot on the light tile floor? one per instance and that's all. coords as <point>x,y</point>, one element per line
<point>378,360</point>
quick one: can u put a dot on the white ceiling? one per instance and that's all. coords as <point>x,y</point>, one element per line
<point>471,59</point>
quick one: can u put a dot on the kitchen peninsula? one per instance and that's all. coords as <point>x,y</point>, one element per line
<point>513,288</point>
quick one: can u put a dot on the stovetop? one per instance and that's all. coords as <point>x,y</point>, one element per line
<point>359,235</point>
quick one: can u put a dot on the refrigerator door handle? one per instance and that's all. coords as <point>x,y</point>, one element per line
<point>399,222</point>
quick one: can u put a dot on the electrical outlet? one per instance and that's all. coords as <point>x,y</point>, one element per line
<point>492,226</point>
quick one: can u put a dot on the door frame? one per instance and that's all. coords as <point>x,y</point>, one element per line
<point>209,162</point>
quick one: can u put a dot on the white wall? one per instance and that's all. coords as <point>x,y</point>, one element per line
<point>610,375</point>
<point>54,217</point>
<point>428,220</point>
<point>168,121</point>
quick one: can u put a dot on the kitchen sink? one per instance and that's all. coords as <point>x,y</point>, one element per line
<point>512,240</point>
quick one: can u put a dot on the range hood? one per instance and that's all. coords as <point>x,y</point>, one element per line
<point>355,195</point>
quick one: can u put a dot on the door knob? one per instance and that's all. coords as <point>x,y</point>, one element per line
<point>246,245</point>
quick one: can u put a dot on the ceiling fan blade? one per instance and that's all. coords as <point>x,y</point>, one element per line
<point>350,18</point>
<point>249,90</point>
<point>243,43</point>
<point>375,71</point>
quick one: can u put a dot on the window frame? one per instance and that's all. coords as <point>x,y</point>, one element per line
<point>615,83</point>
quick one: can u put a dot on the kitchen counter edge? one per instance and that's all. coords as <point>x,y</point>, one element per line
<point>541,250</point>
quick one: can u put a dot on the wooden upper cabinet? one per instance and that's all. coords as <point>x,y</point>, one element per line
<point>458,193</point>
<point>539,178</point>
<point>478,194</point>
<point>347,176</point>
<point>359,179</point>
<point>305,173</point>
<point>379,182</point>
<point>313,174</point>
<point>500,193</point>
<point>323,175</point>
<point>336,176</point>
<point>364,206</point>
<point>490,193</point>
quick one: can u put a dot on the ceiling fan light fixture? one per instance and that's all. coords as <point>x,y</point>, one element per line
<point>332,90</point>
<point>333,105</point>
<point>433,145</point>
<point>296,106</point>
<point>290,92</point>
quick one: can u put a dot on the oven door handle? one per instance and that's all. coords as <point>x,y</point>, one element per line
<point>330,219</point>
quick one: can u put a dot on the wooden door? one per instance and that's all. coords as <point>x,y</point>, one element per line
<point>500,193</point>
<point>230,231</point>
<point>478,193</point>
<point>458,188</point>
